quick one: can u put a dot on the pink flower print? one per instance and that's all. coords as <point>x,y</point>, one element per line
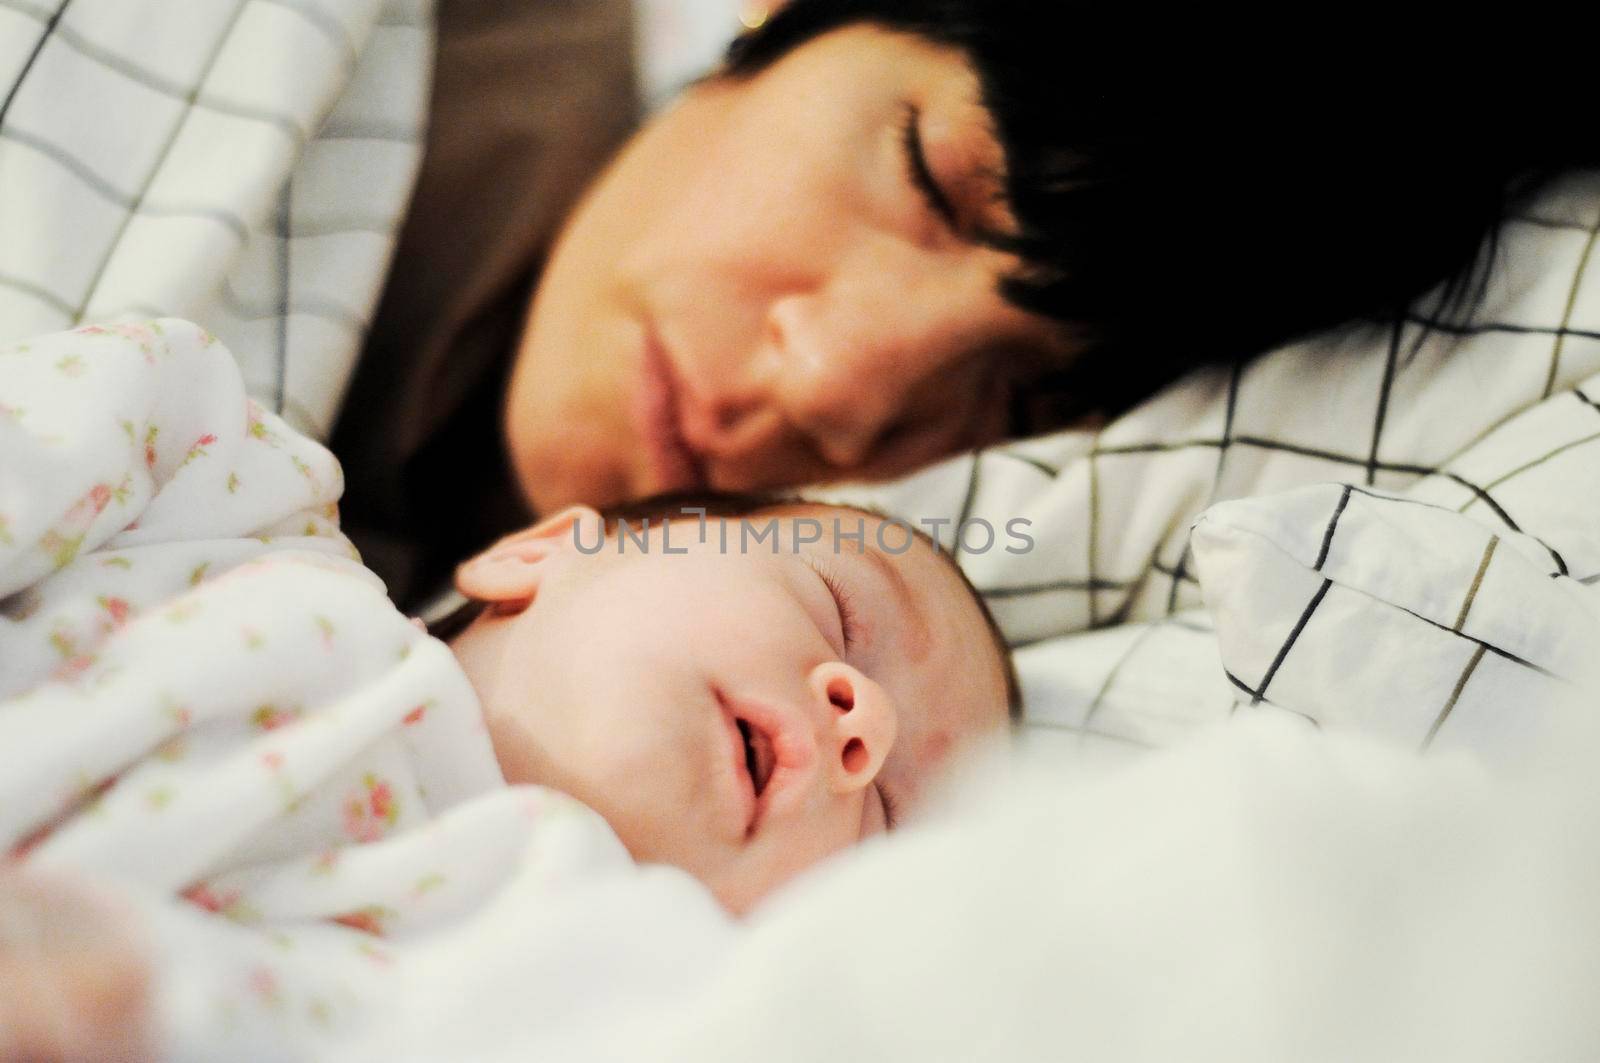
<point>383,804</point>
<point>272,760</point>
<point>179,715</point>
<point>100,497</point>
<point>270,717</point>
<point>197,449</point>
<point>143,335</point>
<point>61,548</point>
<point>116,609</point>
<point>415,715</point>
<point>150,433</point>
<point>202,895</point>
<point>226,903</point>
<point>253,422</point>
<point>371,919</point>
<point>264,984</point>
<point>370,812</point>
<point>91,330</point>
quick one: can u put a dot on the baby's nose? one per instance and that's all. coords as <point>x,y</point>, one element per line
<point>858,725</point>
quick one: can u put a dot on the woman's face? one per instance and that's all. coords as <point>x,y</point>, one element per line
<point>778,281</point>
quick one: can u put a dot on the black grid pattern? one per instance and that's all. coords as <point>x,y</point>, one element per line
<point>1462,415</point>
<point>244,164</point>
<point>1404,630</point>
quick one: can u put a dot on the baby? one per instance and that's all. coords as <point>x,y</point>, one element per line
<point>208,707</point>
<point>740,711</point>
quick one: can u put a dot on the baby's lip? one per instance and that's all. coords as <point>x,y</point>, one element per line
<point>782,735</point>
<point>742,787</point>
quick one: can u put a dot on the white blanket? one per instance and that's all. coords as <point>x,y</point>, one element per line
<point>313,881</point>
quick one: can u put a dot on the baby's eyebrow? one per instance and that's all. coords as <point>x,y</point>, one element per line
<point>918,633</point>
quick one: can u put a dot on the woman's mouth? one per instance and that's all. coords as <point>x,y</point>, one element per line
<point>674,465</point>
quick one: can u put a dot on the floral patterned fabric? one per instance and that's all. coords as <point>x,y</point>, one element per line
<point>208,704</point>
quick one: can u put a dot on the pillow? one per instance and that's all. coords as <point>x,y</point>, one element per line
<point>1466,612</point>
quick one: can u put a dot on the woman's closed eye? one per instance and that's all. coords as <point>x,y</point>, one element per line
<point>918,170</point>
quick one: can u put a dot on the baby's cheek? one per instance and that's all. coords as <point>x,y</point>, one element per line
<point>936,748</point>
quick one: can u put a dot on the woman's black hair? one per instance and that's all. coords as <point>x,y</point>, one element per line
<point>1190,194</point>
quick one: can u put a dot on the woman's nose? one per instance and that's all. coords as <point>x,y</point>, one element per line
<point>858,725</point>
<point>843,375</point>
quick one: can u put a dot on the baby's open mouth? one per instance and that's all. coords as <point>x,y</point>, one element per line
<point>758,757</point>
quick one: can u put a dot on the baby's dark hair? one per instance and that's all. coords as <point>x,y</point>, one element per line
<point>728,505</point>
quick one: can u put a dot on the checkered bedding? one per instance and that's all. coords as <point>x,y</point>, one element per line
<point>1492,417</point>
<point>242,163</point>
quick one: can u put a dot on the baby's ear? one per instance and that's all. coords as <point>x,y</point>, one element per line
<point>510,570</point>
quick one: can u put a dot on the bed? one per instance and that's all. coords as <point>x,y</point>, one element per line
<point>1252,602</point>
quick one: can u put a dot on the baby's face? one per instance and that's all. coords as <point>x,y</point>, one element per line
<point>710,704</point>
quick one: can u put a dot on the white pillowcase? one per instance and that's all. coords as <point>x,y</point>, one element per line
<point>1423,617</point>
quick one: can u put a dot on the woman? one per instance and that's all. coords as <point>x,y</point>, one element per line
<point>889,230</point>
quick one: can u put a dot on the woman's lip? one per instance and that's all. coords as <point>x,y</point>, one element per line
<point>673,464</point>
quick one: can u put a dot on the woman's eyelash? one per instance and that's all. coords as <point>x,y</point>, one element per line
<point>917,166</point>
<point>841,601</point>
